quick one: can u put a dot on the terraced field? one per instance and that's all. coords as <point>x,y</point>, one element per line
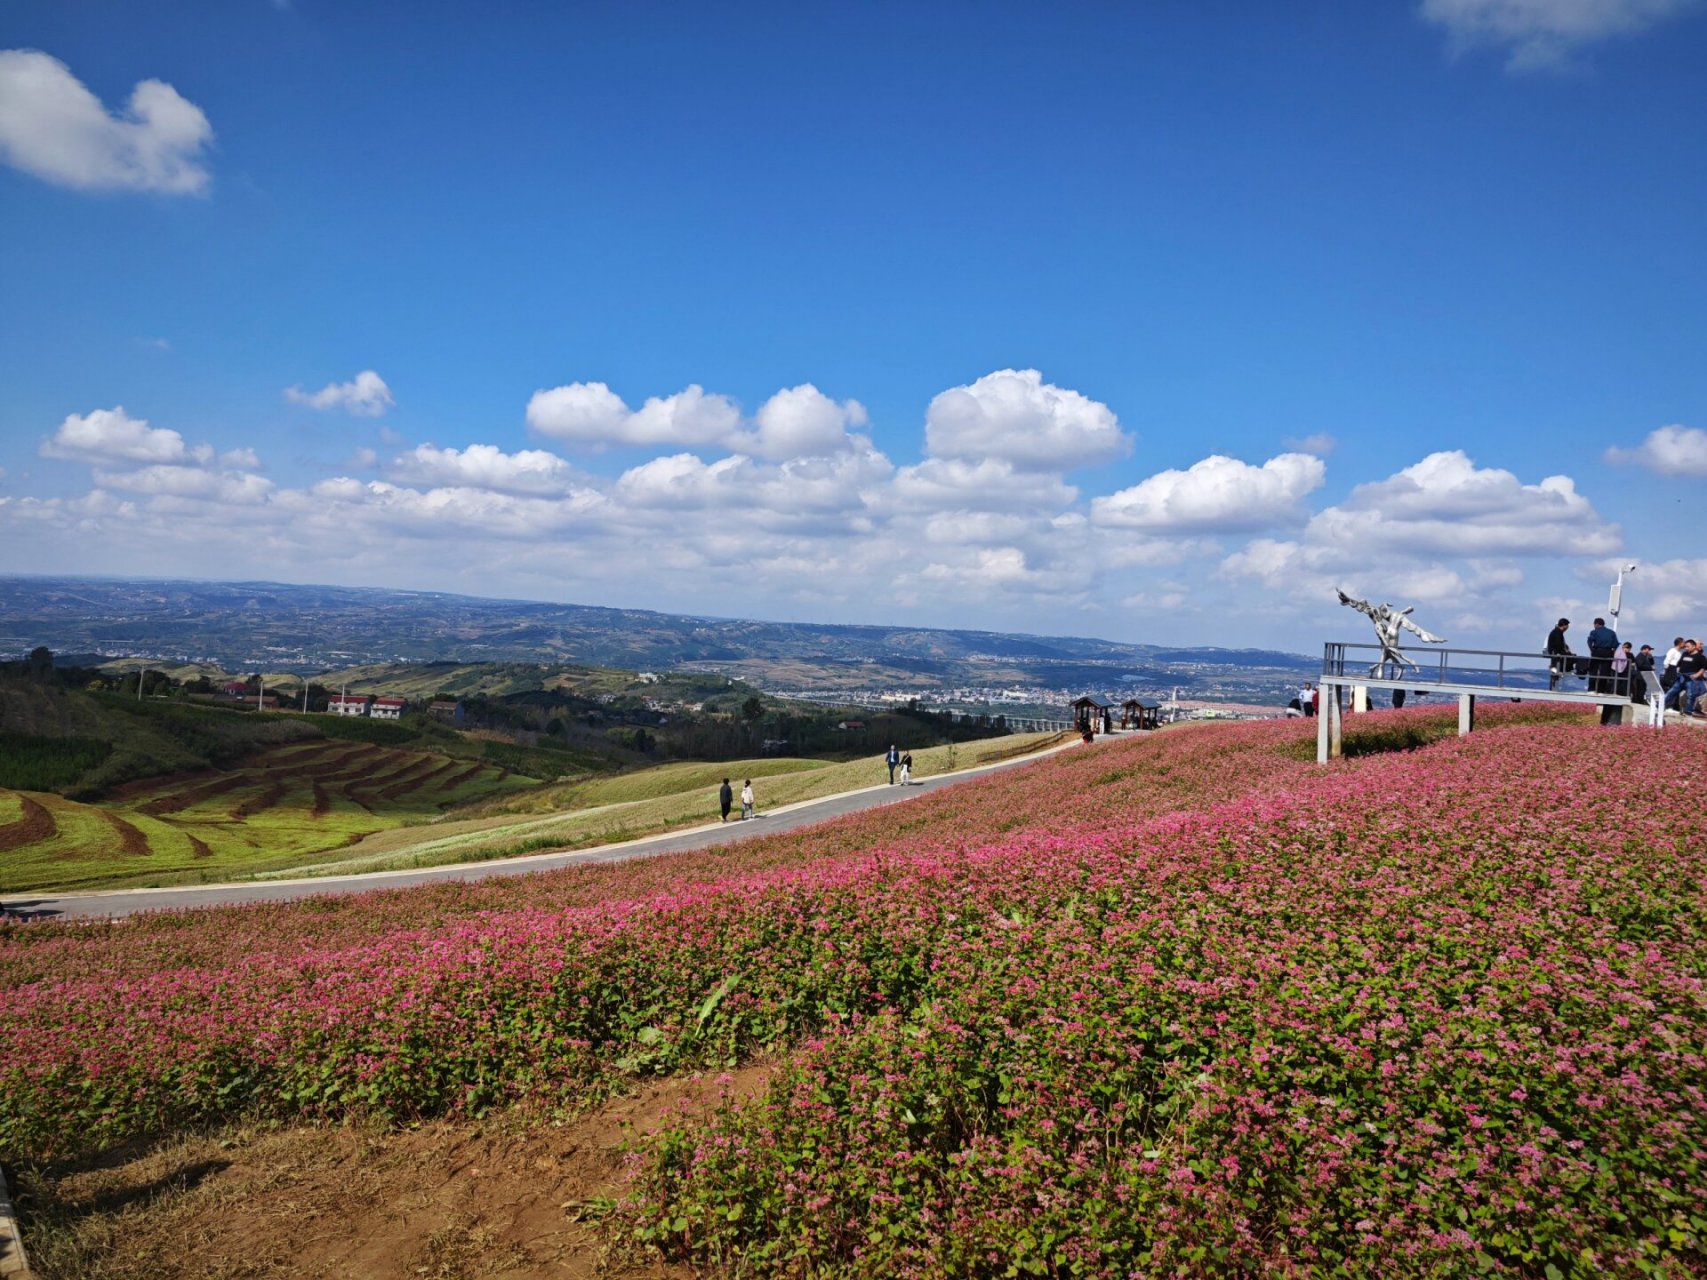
<point>288,807</point>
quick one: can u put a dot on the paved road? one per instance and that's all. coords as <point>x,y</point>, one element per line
<point>124,902</point>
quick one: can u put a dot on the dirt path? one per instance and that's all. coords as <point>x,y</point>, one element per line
<point>512,1195</point>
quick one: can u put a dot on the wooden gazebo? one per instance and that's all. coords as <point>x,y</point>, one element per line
<point>1093,715</point>
<point>1140,713</point>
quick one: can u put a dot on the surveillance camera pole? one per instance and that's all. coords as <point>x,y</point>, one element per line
<point>1616,600</point>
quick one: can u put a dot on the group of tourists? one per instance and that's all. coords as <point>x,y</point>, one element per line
<point>1615,667</point>
<point>895,759</point>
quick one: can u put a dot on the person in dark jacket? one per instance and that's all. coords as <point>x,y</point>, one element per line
<point>1643,661</point>
<point>1602,644</point>
<point>726,798</point>
<point>1559,650</point>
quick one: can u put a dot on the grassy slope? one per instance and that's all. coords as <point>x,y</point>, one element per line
<point>647,803</point>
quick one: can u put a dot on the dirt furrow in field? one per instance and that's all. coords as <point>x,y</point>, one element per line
<point>36,824</point>
<point>198,847</point>
<point>400,789</point>
<point>132,843</point>
<point>328,765</point>
<point>178,801</point>
<point>261,803</point>
<point>363,768</point>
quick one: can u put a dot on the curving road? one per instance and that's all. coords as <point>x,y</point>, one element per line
<point>113,903</point>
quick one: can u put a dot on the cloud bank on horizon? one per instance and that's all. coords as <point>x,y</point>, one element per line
<point>991,523</point>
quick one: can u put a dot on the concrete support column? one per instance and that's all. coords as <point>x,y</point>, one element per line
<point>1330,695</point>
<point>1466,713</point>
<point>1336,730</point>
<point>1359,698</point>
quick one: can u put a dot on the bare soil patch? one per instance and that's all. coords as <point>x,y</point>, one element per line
<point>516,1195</point>
<point>36,824</point>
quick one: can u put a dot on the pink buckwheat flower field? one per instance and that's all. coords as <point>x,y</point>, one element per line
<point>1184,1004</point>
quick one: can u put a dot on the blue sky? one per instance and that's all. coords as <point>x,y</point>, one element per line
<point>1151,322</point>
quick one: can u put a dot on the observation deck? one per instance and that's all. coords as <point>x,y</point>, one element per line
<point>1468,674</point>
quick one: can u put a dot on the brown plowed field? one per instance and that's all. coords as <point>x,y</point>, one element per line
<point>198,847</point>
<point>36,824</point>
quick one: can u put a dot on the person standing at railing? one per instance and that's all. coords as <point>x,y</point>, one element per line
<point>1559,650</point>
<point>1641,663</point>
<point>1668,670</point>
<point>1602,644</point>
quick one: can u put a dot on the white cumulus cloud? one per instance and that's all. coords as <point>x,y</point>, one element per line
<point>365,395</point>
<point>112,435</point>
<point>581,412</point>
<point>1544,34</point>
<point>484,466</point>
<point>1218,494</point>
<point>1671,451</point>
<point>591,414</point>
<point>800,422</point>
<point>1015,416</point>
<point>53,127</point>
<point>691,416</point>
<point>1446,505</point>
<point>238,488</point>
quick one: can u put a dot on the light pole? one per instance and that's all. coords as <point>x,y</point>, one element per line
<point>1616,600</point>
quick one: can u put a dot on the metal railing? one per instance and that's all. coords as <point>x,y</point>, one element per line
<point>1500,672</point>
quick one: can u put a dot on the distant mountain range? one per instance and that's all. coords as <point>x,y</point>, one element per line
<point>269,626</point>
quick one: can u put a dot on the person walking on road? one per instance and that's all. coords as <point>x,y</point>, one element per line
<point>892,759</point>
<point>746,799</point>
<point>725,799</point>
<point>907,770</point>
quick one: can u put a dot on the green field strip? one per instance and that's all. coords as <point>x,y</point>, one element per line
<point>11,807</point>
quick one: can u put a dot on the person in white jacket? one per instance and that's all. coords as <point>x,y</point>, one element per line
<point>746,799</point>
